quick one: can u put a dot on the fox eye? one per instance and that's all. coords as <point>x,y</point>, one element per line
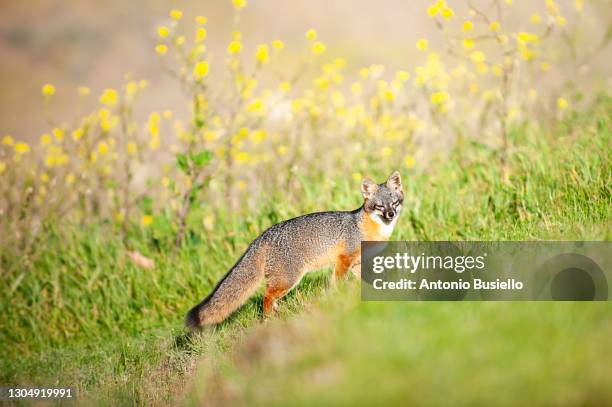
<point>396,203</point>
<point>379,207</point>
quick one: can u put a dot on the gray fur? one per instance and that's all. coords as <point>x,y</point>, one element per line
<point>286,251</point>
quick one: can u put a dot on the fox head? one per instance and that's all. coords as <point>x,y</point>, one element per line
<point>383,200</point>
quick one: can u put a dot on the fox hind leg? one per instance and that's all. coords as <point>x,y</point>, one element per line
<point>277,288</point>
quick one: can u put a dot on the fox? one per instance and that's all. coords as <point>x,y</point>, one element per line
<point>285,252</point>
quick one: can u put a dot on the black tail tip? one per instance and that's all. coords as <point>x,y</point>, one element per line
<point>192,319</point>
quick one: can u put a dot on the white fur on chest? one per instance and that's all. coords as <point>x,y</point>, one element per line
<point>385,229</point>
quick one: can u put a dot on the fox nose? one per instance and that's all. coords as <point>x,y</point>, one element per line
<point>389,215</point>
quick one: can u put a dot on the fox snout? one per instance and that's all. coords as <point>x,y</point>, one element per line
<point>389,214</point>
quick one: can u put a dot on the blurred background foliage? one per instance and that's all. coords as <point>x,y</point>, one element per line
<point>145,144</point>
<point>218,110</point>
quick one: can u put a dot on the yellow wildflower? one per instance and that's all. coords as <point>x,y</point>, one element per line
<point>243,157</point>
<point>561,20</point>
<point>2,167</point>
<point>432,11</point>
<point>200,70</point>
<point>262,55</point>
<point>146,220</point>
<point>468,25</point>
<point>409,161</point>
<point>526,37</point>
<point>311,35</point>
<point>402,76</point>
<point>284,86</point>
<point>163,31</point>
<point>45,139</point>
<point>176,14</point>
<point>50,160</point>
<point>255,106</point>
<point>525,52</point>
<point>438,98</point>
<point>7,140</point>
<point>132,148</point>
<point>447,13</point>
<point>109,97</point>
<point>201,20</point>
<point>282,150</point>
<point>535,19</point>
<point>62,159</point>
<point>102,147</point>
<point>321,83</point>
<point>421,44</point>
<point>201,34</point>
<point>234,47</point>
<point>131,88</point>
<point>161,49</point>
<point>44,177</point>
<point>22,148</point>
<point>198,49</point>
<point>553,8</point>
<point>562,103</point>
<point>468,43</point>
<point>48,89</point>
<point>478,57</point>
<point>495,26</point>
<point>77,134</point>
<point>278,44</point>
<point>58,133</point>
<point>318,48</point>
<point>239,4</point>
<point>386,151</point>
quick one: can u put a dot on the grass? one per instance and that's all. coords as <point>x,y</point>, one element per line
<point>417,353</point>
<point>77,312</point>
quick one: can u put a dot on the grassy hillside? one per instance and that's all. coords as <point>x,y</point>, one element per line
<point>79,313</point>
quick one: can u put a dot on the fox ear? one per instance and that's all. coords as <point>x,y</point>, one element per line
<point>395,181</point>
<point>368,188</point>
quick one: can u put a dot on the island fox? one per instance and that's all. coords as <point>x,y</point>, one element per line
<point>288,250</point>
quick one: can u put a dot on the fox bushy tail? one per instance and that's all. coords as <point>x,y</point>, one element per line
<point>231,292</point>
